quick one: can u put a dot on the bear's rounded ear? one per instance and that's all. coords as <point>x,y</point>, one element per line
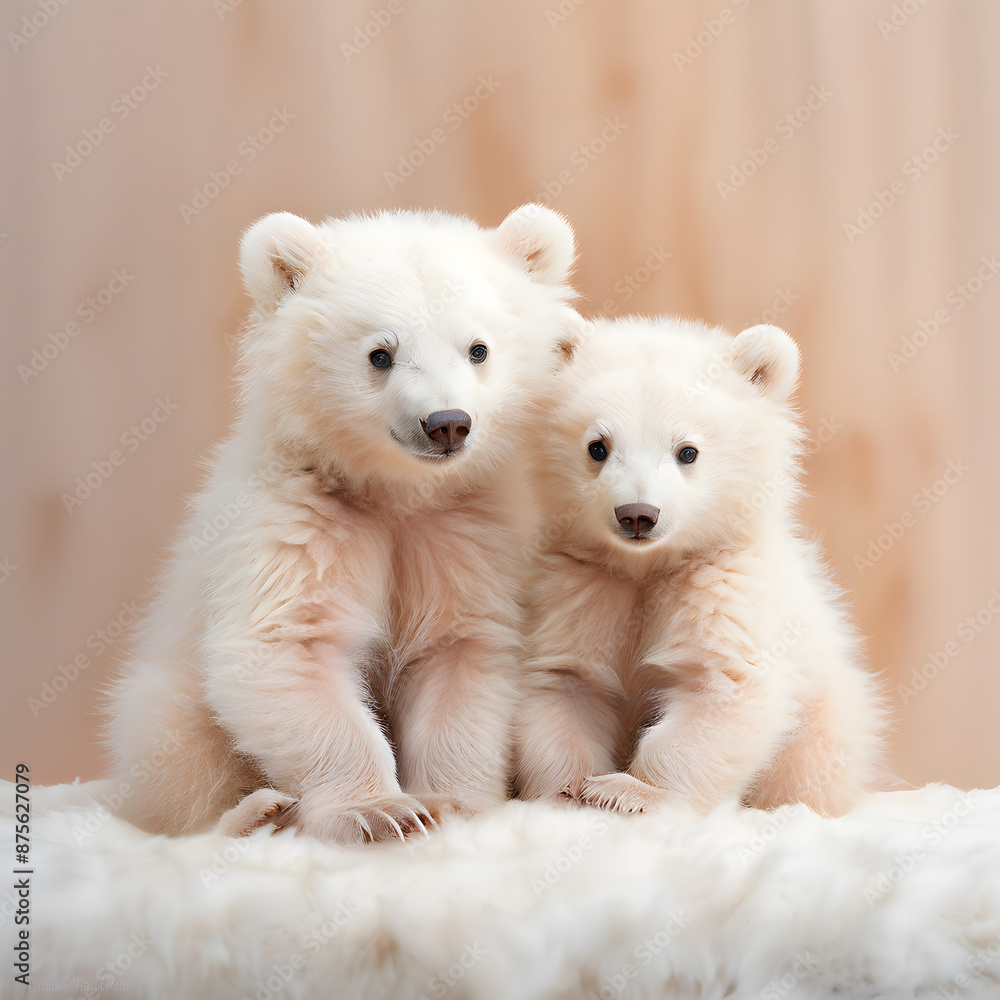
<point>565,350</point>
<point>570,338</point>
<point>768,359</point>
<point>276,252</point>
<point>541,241</point>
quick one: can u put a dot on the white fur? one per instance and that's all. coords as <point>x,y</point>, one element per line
<point>340,621</point>
<point>711,658</point>
<point>552,903</point>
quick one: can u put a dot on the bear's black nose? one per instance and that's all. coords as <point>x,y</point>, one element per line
<point>449,428</point>
<point>638,519</point>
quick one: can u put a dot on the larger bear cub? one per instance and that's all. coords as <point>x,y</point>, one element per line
<point>686,645</point>
<point>340,622</point>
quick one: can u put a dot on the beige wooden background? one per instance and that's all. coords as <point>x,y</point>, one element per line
<point>626,117</point>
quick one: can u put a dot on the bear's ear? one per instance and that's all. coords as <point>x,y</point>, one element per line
<point>541,241</point>
<point>769,360</point>
<point>276,252</point>
<point>565,349</point>
<point>569,340</point>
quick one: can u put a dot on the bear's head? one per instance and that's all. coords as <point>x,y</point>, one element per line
<point>668,437</point>
<point>402,345</point>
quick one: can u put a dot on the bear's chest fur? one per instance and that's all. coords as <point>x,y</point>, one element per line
<point>609,624</point>
<point>428,568</point>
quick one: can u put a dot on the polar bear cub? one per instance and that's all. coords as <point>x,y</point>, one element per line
<point>339,627</point>
<point>686,645</point>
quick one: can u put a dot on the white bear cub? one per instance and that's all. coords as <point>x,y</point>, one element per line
<point>340,624</point>
<point>686,645</point>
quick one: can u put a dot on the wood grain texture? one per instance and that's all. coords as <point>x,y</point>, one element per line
<point>591,112</point>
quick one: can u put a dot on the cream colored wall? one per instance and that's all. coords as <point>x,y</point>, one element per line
<point>645,187</point>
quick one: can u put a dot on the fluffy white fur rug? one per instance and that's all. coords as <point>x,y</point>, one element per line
<point>900,899</point>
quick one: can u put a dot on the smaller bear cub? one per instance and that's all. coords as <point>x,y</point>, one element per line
<point>686,645</point>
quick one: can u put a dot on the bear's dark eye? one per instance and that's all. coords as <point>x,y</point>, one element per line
<point>598,450</point>
<point>380,359</point>
<point>687,455</point>
<point>478,354</point>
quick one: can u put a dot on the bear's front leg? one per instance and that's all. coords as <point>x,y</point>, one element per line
<point>300,710</point>
<point>452,721</point>
<point>716,730</point>
<point>568,729</point>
